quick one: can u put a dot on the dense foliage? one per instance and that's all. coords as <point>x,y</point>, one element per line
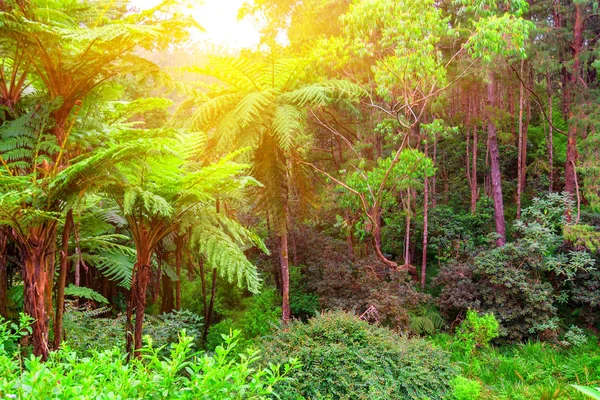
<point>343,357</point>
<point>403,194</point>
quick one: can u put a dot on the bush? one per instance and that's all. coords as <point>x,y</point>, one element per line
<point>183,374</point>
<point>475,332</point>
<point>344,357</point>
<point>465,389</point>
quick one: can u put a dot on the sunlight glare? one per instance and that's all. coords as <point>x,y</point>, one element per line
<point>219,19</point>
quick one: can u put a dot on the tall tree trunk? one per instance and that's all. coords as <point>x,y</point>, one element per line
<point>576,47</point>
<point>433,178</point>
<point>285,278</point>
<point>474,191</point>
<point>496,177</point>
<point>3,275</point>
<point>425,226</point>
<point>209,312</point>
<point>62,279</point>
<point>142,278</point>
<point>407,230</point>
<point>550,133</point>
<point>178,256</point>
<point>203,288</point>
<point>520,142</point>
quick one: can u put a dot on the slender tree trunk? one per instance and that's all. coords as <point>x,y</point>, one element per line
<point>3,275</point>
<point>62,279</point>
<point>209,312</point>
<point>576,46</point>
<point>425,226</point>
<point>203,284</point>
<point>550,134</point>
<point>349,236</point>
<point>520,143</point>
<point>285,278</point>
<point>496,176</point>
<point>178,255</point>
<point>433,178</point>
<point>407,230</point>
<point>474,191</point>
<point>142,278</point>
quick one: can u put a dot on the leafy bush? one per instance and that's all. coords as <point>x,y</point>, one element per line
<point>344,357</point>
<point>183,374</point>
<point>465,389</point>
<point>475,332</point>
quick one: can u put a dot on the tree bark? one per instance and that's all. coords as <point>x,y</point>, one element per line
<point>576,47</point>
<point>407,230</point>
<point>425,226</point>
<point>285,278</point>
<point>520,143</point>
<point>496,176</point>
<point>62,279</point>
<point>550,134</point>
<point>178,256</point>
<point>474,191</point>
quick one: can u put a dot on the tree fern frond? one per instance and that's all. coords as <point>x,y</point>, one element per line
<point>86,293</point>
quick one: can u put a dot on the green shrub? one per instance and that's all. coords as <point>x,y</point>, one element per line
<point>344,357</point>
<point>476,331</point>
<point>183,374</point>
<point>465,389</point>
<point>216,333</point>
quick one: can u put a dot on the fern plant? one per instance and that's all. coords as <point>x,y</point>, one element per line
<point>66,50</point>
<point>261,103</point>
<point>159,193</point>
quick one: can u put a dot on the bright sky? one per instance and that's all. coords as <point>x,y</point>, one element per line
<point>219,19</point>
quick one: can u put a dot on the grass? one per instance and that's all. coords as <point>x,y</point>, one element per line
<point>533,370</point>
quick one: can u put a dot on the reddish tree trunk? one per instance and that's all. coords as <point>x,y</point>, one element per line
<point>474,191</point>
<point>496,177</point>
<point>550,134</point>
<point>520,143</point>
<point>576,46</point>
<point>34,279</point>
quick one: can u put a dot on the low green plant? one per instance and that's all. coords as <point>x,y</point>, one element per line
<point>344,357</point>
<point>182,374</point>
<point>12,332</point>
<point>475,332</point>
<point>465,388</point>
